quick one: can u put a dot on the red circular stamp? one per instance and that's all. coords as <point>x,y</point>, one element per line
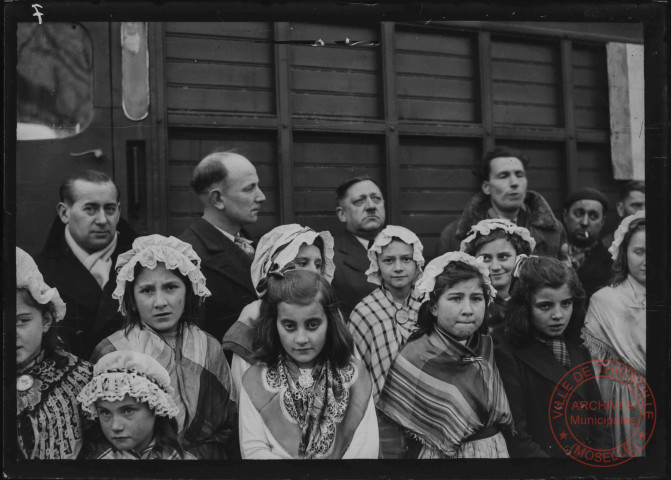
<point>628,421</point>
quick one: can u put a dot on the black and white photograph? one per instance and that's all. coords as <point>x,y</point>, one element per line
<point>336,240</point>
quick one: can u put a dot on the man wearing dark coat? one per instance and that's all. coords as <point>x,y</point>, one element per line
<point>228,187</point>
<point>584,217</point>
<point>79,255</point>
<point>504,194</point>
<point>360,206</point>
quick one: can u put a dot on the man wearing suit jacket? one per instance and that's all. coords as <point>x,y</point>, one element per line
<point>360,206</point>
<point>228,188</point>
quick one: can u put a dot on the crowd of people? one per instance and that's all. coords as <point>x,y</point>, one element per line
<point>308,345</point>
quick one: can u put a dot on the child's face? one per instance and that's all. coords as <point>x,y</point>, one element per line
<point>302,331</point>
<point>31,325</point>
<point>127,424</point>
<point>309,257</point>
<point>159,295</point>
<point>397,268</point>
<point>460,310</point>
<point>636,256</point>
<point>551,310</point>
<point>499,255</point>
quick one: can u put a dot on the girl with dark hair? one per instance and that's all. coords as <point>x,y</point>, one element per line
<point>283,248</point>
<point>498,241</point>
<point>444,389</point>
<point>541,343</point>
<point>158,284</point>
<point>308,397</point>
<point>615,324</point>
<point>48,379</point>
<point>128,399</point>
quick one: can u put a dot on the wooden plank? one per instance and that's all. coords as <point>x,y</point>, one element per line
<point>250,30</point>
<point>571,161</point>
<point>392,165</point>
<point>427,177</point>
<point>222,120</point>
<point>328,33</point>
<point>435,201</point>
<point>486,90</point>
<point>216,74</point>
<point>592,118</point>
<point>210,99</point>
<point>437,110</point>
<point>180,174</point>
<point>224,51</point>
<point>310,80</point>
<point>537,52</point>
<point>336,58</point>
<point>337,150</point>
<point>445,43</point>
<point>594,98</point>
<point>283,88</point>
<point>526,115</point>
<point>528,73</point>
<point>432,87</point>
<point>593,56</point>
<point>336,105</point>
<point>589,77</point>
<point>331,177</point>
<point>432,65</point>
<point>544,95</point>
<point>184,201</point>
<point>423,152</point>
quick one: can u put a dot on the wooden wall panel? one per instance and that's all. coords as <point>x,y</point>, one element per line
<point>590,84</point>
<point>215,67</point>
<point>321,163</point>
<point>436,76</point>
<point>334,80</point>
<point>526,81</point>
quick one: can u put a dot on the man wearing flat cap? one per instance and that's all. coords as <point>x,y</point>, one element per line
<point>584,216</point>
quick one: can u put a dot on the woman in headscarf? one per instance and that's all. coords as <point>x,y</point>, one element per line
<point>284,247</point>
<point>615,327</point>
<point>159,283</point>
<point>48,379</point>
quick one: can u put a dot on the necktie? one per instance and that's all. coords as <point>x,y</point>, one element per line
<point>245,245</point>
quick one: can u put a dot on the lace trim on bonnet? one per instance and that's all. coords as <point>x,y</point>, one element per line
<point>427,283</point>
<point>487,226</point>
<point>28,276</point>
<point>621,232</point>
<point>383,239</point>
<point>148,251</point>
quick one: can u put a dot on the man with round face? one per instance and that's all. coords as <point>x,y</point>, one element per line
<point>584,216</point>
<point>360,207</point>
<point>504,194</point>
<point>79,255</point>
<point>227,185</point>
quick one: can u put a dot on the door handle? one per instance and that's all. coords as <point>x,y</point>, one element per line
<point>96,152</point>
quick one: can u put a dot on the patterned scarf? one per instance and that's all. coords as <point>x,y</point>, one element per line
<point>97,263</point>
<point>315,408</point>
<point>557,346</point>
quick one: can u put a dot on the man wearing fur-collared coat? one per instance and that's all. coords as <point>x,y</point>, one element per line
<point>504,195</point>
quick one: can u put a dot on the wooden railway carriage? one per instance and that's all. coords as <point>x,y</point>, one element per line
<point>411,104</point>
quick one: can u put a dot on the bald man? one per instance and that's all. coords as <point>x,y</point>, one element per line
<point>228,187</point>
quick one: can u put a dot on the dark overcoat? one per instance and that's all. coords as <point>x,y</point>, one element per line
<point>350,281</point>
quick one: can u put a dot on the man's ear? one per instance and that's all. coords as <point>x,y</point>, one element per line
<point>620,209</point>
<point>63,212</point>
<point>216,199</point>
<point>485,187</point>
<point>341,214</point>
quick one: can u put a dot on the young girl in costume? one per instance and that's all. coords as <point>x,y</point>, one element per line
<point>48,379</point>
<point>443,388</point>
<point>284,247</point>
<point>540,345</point>
<point>498,241</point>
<point>308,397</point>
<point>384,320</point>
<point>615,326</point>
<point>129,401</point>
<point>158,284</point>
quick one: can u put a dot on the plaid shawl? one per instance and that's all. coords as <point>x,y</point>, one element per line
<point>201,378</point>
<point>151,452</point>
<point>443,392</point>
<point>378,336</point>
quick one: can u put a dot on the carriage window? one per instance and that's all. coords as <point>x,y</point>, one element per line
<point>54,80</point>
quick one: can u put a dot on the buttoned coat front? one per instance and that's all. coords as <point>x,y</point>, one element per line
<point>227,272</point>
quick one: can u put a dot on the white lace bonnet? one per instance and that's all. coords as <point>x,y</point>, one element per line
<point>126,372</point>
<point>148,251</point>
<point>435,267</point>
<point>28,276</point>
<point>622,231</point>
<point>487,226</point>
<point>279,247</point>
<point>383,239</point>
